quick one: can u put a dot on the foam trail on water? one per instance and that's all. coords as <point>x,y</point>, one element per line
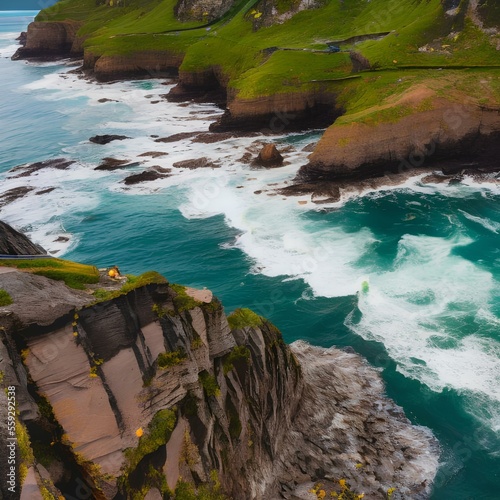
<point>491,225</point>
<point>419,309</point>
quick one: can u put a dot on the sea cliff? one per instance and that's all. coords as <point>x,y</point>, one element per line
<point>144,388</point>
<point>287,67</point>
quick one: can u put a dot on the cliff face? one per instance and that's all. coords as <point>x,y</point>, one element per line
<point>452,136</point>
<point>277,113</point>
<point>124,398</point>
<point>51,39</point>
<point>14,243</point>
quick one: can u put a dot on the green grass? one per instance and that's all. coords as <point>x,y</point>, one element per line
<point>241,318</point>
<point>209,384</point>
<point>5,298</point>
<point>238,51</point>
<point>157,434</point>
<point>182,301</point>
<point>132,283</point>
<point>169,359</point>
<point>74,274</point>
<point>211,490</point>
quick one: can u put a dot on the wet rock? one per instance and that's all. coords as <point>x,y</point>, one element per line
<point>196,163</point>
<point>177,137</point>
<point>31,168</point>
<point>210,138</point>
<point>114,164</point>
<point>107,138</point>
<point>151,174</point>
<point>105,99</point>
<point>326,193</point>
<point>14,194</point>
<point>323,192</point>
<point>153,154</point>
<point>434,178</point>
<point>22,38</point>
<point>246,158</point>
<point>61,239</point>
<point>45,191</point>
<point>13,242</point>
<point>310,147</point>
<point>269,157</point>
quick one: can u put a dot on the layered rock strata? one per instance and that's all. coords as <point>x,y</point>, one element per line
<point>155,384</point>
<point>450,136</point>
<point>51,40</point>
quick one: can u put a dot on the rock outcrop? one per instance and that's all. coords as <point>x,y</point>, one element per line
<point>151,174</point>
<point>13,242</point>
<point>157,390</point>
<point>278,113</point>
<point>51,40</point>
<point>448,135</point>
<point>269,156</point>
<point>107,138</point>
<point>142,64</point>
<point>201,10</point>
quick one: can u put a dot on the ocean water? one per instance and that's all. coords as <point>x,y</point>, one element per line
<point>428,315</point>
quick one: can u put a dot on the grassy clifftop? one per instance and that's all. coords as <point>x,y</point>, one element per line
<point>264,47</point>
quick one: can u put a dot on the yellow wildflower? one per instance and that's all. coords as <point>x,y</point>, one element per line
<point>139,432</point>
<point>342,483</point>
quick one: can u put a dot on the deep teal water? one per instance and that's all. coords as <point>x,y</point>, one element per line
<point>430,319</point>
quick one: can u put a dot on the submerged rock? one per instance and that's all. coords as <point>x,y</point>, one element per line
<point>114,164</point>
<point>196,163</point>
<point>177,137</point>
<point>151,174</point>
<point>153,154</point>
<point>31,168</point>
<point>14,194</point>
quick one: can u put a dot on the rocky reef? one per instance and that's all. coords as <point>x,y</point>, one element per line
<point>148,390</point>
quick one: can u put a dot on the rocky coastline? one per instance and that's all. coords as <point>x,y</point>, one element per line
<point>242,413</point>
<point>453,134</point>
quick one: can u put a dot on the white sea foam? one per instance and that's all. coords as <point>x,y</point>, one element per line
<point>418,310</point>
<point>39,214</point>
<point>9,50</point>
<point>489,224</point>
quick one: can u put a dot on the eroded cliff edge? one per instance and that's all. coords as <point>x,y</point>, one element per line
<point>154,391</point>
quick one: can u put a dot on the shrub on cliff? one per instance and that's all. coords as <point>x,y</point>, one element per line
<point>239,353</point>
<point>209,383</point>
<point>168,359</point>
<point>243,317</point>
<point>158,434</point>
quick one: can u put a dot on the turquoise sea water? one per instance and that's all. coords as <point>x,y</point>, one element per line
<point>430,318</point>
